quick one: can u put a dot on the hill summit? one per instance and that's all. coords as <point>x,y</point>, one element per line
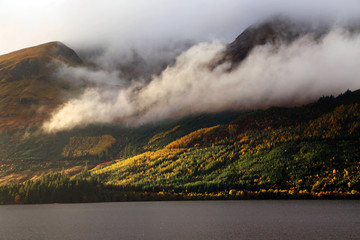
<point>276,30</point>
<point>28,89</point>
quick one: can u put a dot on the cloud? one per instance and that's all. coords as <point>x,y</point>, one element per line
<point>271,75</point>
<point>120,25</point>
<point>145,69</point>
<point>83,76</point>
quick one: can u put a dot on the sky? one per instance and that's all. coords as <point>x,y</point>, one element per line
<point>144,24</point>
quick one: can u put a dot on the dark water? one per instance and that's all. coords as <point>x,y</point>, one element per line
<point>247,220</point>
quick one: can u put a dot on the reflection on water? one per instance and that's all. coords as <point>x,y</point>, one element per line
<point>183,220</point>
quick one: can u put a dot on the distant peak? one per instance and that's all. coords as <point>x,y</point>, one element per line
<point>275,30</point>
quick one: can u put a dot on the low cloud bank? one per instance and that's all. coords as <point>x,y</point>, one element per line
<point>282,75</point>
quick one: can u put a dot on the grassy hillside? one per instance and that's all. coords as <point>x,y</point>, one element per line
<point>29,91</point>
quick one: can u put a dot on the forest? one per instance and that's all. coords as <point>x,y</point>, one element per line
<point>307,152</point>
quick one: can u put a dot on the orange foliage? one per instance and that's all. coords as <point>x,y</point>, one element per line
<point>191,139</point>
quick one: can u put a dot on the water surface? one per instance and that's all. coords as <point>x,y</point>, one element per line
<point>183,220</point>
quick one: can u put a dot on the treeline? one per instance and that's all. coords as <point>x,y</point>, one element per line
<point>56,187</point>
<point>84,188</point>
<point>60,188</point>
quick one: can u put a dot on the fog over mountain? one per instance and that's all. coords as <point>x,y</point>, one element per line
<point>146,61</point>
<point>282,71</point>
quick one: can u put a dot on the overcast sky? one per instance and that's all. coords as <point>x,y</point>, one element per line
<point>120,24</point>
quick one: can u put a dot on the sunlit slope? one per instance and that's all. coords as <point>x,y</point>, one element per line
<point>28,88</point>
<point>25,153</point>
<point>310,148</point>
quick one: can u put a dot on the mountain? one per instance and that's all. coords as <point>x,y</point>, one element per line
<point>277,31</point>
<point>302,152</point>
<point>28,89</point>
<point>309,151</point>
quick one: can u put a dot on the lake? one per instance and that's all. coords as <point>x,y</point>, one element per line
<point>246,220</point>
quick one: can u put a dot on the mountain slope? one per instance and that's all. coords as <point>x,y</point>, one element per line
<point>28,89</point>
<point>272,149</point>
<point>306,151</point>
<point>262,154</point>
